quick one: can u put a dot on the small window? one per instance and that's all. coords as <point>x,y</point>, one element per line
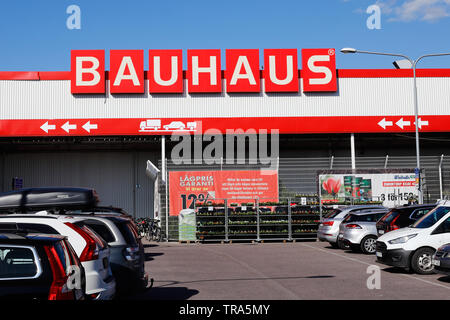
<point>62,255</point>
<point>419,213</point>
<point>444,227</point>
<point>17,262</point>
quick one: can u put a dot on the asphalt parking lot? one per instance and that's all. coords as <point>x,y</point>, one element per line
<point>277,271</point>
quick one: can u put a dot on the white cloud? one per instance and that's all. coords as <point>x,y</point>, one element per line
<point>412,10</point>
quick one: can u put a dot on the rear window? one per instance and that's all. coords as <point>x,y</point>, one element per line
<point>17,262</point>
<point>102,230</point>
<point>333,214</point>
<point>390,216</point>
<point>363,218</point>
<point>127,232</point>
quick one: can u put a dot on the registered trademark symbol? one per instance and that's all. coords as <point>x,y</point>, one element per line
<point>331,52</point>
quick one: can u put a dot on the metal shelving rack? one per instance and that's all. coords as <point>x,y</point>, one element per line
<point>257,221</point>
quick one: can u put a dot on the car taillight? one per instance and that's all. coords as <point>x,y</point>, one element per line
<point>131,253</point>
<point>58,288</point>
<point>91,251</point>
<point>353,226</point>
<point>328,223</point>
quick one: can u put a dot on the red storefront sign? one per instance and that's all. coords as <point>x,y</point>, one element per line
<point>187,187</point>
<point>167,126</point>
<point>127,71</point>
<point>87,71</point>
<point>319,70</point>
<point>165,71</point>
<point>204,71</point>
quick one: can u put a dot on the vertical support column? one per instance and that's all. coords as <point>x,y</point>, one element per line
<point>289,220</point>
<point>352,152</point>
<point>163,157</point>
<point>164,179</point>
<point>352,149</point>
<point>440,178</point>
<point>226,219</point>
<point>257,220</point>
<point>320,202</point>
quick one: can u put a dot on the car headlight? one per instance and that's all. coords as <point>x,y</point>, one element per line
<point>402,239</point>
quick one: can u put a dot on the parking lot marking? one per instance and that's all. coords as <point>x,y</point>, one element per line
<point>357,260</point>
<point>292,294</point>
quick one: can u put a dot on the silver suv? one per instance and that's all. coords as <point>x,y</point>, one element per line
<point>329,226</point>
<point>358,230</point>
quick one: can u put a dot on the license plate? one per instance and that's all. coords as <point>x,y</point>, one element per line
<point>437,263</point>
<point>379,254</point>
<point>381,231</point>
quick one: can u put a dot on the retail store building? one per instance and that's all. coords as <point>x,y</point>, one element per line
<point>53,135</point>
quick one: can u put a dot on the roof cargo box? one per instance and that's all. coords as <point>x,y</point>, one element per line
<point>48,198</point>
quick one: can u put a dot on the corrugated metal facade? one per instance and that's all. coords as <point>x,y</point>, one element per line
<point>118,177</point>
<point>355,97</point>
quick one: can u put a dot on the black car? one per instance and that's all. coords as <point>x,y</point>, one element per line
<point>39,267</point>
<point>401,217</point>
<point>441,260</point>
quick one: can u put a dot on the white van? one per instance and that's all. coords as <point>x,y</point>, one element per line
<point>413,247</point>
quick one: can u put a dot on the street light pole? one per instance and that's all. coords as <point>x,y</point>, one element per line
<point>416,108</point>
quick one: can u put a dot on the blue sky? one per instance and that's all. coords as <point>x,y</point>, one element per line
<point>35,37</point>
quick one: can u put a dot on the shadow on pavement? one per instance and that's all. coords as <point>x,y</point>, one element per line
<point>171,293</point>
<point>149,255</point>
<point>445,279</point>
<point>396,270</point>
<point>173,282</point>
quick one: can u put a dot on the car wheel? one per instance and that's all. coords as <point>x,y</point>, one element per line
<point>421,261</point>
<point>369,245</point>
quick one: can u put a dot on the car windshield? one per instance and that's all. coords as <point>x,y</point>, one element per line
<point>431,218</point>
<point>333,213</point>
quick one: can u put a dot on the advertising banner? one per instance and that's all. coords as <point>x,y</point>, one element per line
<point>392,187</point>
<point>186,187</point>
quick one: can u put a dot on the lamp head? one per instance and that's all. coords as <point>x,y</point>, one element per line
<point>348,50</point>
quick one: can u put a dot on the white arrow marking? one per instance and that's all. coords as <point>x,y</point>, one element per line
<point>47,127</point>
<point>383,123</point>
<point>422,123</point>
<point>88,126</point>
<point>67,127</point>
<point>402,123</point>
